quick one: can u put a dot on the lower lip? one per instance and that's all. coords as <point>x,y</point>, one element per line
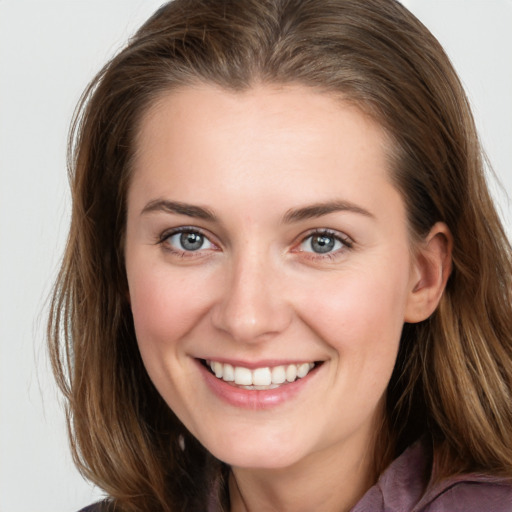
<point>252,398</point>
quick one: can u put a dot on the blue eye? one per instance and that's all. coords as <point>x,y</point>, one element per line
<point>322,243</point>
<point>188,241</point>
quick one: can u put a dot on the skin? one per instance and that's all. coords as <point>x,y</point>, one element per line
<point>256,290</point>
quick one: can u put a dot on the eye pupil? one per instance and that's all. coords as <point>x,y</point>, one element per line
<point>322,243</point>
<point>191,241</point>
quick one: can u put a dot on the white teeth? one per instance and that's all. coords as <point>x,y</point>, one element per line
<point>278,374</point>
<point>260,378</point>
<point>302,370</point>
<point>229,373</point>
<point>218,369</point>
<point>291,372</point>
<point>243,376</point>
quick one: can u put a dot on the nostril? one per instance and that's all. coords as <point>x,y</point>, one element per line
<point>251,321</point>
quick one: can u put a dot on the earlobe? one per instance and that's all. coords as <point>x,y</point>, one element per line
<point>432,268</point>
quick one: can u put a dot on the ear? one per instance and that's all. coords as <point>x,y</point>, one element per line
<point>432,266</point>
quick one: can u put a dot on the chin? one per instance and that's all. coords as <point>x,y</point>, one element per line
<point>255,459</point>
<point>256,453</point>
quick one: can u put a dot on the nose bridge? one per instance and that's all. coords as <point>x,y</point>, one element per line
<point>252,306</point>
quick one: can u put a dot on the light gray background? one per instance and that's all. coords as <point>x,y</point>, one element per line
<point>48,52</point>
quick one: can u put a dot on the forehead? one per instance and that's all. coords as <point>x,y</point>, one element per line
<point>203,140</point>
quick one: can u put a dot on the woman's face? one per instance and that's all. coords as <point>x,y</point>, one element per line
<point>265,239</point>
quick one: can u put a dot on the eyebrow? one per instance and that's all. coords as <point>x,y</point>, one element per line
<point>293,215</point>
<point>320,209</point>
<point>189,210</point>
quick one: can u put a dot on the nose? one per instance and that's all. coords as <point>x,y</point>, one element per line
<point>252,306</point>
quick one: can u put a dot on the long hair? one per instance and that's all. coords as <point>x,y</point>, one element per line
<point>453,375</point>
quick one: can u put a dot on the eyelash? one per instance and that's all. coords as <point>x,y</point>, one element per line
<point>345,241</point>
<point>163,240</point>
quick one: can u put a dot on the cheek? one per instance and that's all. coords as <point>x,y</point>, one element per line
<point>361,316</point>
<point>166,306</point>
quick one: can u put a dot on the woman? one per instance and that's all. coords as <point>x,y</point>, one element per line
<point>285,286</point>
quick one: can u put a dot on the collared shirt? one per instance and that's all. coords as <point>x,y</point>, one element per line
<point>403,488</point>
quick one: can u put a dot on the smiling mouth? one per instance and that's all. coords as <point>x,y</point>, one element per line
<point>259,378</point>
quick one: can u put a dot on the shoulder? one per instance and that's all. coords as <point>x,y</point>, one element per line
<point>404,486</point>
<point>468,493</point>
<point>401,486</point>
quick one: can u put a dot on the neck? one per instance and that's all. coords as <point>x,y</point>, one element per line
<point>331,481</point>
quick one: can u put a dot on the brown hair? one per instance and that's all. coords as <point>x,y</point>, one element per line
<point>452,379</point>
